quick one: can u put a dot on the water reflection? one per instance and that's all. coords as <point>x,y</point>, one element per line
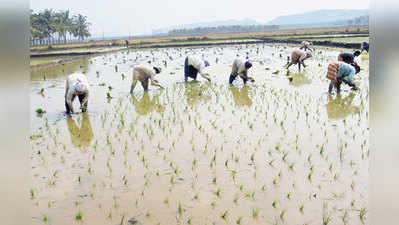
<point>83,134</point>
<point>338,108</point>
<point>197,92</point>
<point>146,105</point>
<point>60,68</point>
<point>240,96</point>
<point>299,79</point>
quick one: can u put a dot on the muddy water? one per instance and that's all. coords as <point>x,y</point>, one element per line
<point>274,152</point>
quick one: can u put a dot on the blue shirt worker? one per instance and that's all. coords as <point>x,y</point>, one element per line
<point>339,72</point>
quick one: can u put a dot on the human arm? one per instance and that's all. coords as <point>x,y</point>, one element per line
<point>84,101</point>
<point>155,82</point>
<point>68,100</point>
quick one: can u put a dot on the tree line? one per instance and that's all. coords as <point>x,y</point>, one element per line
<point>361,20</point>
<point>50,26</point>
<point>223,30</point>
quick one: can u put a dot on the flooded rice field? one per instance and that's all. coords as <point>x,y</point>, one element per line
<point>277,151</point>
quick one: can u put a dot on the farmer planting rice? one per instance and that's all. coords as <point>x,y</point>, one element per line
<point>76,85</point>
<point>240,68</point>
<point>193,66</point>
<point>298,57</point>
<point>305,45</point>
<point>143,74</point>
<point>339,72</point>
<point>350,59</point>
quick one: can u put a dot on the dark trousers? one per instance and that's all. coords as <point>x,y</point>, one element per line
<point>189,71</point>
<point>232,78</point>
<point>336,84</point>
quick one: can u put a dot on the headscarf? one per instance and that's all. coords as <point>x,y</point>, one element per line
<point>80,87</point>
<point>248,64</point>
<point>157,69</point>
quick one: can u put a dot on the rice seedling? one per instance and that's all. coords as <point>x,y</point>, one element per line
<point>45,218</point>
<point>32,193</point>
<point>255,213</point>
<point>40,111</point>
<point>79,215</point>
<point>189,221</point>
<point>218,192</point>
<point>301,208</point>
<point>239,220</point>
<point>274,204</point>
<point>224,215</point>
<point>362,214</point>
<point>213,204</point>
<point>282,214</point>
<point>345,217</point>
<point>326,219</point>
<point>180,209</point>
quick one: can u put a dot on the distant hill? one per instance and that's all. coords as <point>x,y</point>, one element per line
<point>231,29</point>
<point>244,22</point>
<point>319,17</point>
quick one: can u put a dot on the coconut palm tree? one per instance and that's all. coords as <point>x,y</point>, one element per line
<point>81,27</point>
<point>62,24</point>
<point>44,24</point>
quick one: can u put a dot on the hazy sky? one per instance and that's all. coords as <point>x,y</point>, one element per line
<point>117,17</point>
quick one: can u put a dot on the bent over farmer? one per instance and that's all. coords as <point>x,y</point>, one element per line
<point>305,45</point>
<point>339,72</point>
<point>298,57</point>
<point>143,74</point>
<point>240,68</point>
<point>193,66</point>
<point>350,59</point>
<point>76,85</point>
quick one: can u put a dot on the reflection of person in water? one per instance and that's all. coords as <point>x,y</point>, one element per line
<point>196,93</point>
<point>299,79</point>
<point>340,108</point>
<point>80,135</point>
<point>240,96</point>
<point>146,105</point>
